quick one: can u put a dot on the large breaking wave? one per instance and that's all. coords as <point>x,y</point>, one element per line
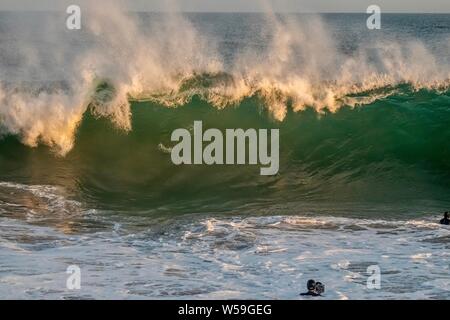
<point>51,80</point>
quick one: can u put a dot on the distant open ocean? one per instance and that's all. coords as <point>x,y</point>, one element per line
<point>86,176</point>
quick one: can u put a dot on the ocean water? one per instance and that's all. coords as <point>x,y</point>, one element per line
<point>86,177</point>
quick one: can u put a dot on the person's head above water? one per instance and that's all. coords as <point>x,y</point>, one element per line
<point>311,285</point>
<point>446,215</point>
<point>319,288</point>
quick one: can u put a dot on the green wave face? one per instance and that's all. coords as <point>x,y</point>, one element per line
<point>394,150</point>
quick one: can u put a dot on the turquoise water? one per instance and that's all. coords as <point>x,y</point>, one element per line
<point>86,176</point>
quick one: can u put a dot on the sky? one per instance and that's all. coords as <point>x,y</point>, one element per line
<point>436,6</point>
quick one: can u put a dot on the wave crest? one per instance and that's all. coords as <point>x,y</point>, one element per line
<point>175,62</point>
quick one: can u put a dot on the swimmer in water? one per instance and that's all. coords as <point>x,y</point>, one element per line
<point>315,289</point>
<point>446,220</point>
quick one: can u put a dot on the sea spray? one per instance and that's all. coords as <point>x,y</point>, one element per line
<point>168,60</point>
